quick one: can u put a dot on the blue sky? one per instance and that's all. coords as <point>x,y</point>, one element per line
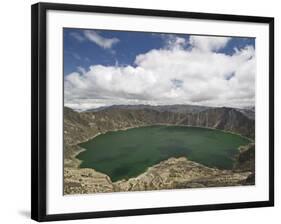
<point>103,68</point>
<point>86,53</point>
<point>83,53</point>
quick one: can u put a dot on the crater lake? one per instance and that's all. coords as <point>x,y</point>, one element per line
<point>127,153</point>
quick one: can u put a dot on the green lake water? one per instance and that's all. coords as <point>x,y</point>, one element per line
<point>128,153</point>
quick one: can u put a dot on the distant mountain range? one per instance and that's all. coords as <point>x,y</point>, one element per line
<point>177,108</point>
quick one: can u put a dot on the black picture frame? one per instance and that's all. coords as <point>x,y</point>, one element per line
<point>39,108</point>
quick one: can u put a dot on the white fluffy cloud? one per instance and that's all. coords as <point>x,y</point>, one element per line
<point>174,42</point>
<point>172,75</point>
<point>103,42</point>
<point>208,43</point>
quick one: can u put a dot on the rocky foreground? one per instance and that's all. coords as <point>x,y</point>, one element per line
<point>174,173</point>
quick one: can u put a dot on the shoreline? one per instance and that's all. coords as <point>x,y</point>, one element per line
<point>151,125</point>
<point>166,124</point>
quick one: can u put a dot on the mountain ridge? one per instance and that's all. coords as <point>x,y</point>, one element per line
<point>180,108</point>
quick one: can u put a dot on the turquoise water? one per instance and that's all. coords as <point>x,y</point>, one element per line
<point>128,153</point>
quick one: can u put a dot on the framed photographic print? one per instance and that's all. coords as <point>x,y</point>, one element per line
<point>139,111</point>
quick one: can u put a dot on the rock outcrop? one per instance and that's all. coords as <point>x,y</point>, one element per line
<point>81,181</point>
<point>174,173</point>
<point>245,161</point>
